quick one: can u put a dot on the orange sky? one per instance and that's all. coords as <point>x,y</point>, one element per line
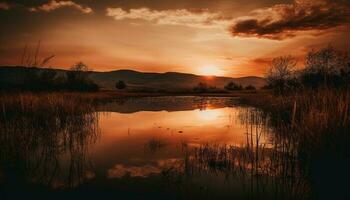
<point>229,38</point>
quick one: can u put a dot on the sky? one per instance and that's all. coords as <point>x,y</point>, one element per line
<point>222,37</point>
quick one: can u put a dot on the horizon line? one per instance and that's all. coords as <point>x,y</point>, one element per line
<point>57,68</point>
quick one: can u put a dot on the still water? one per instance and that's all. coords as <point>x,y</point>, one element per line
<point>159,148</point>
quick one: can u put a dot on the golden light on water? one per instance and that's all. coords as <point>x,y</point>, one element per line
<point>209,115</point>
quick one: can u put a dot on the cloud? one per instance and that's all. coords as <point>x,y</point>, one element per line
<point>263,61</point>
<point>4,6</point>
<point>118,171</point>
<point>286,20</point>
<point>181,17</point>
<point>53,5</point>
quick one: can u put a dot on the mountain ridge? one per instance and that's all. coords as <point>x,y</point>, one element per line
<point>142,80</point>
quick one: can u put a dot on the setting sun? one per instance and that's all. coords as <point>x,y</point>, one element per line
<point>210,71</point>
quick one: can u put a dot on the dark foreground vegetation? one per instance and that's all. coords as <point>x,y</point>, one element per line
<point>36,79</point>
<point>44,139</point>
<point>310,110</point>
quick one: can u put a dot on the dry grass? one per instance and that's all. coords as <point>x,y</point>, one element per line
<point>37,131</point>
<point>320,118</point>
<point>310,132</point>
<point>316,123</point>
<point>43,110</point>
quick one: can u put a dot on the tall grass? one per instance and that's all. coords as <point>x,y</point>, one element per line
<point>316,125</point>
<point>318,119</point>
<point>266,166</point>
<point>45,137</point>
<point>304,131</point>
<point>311,115</point>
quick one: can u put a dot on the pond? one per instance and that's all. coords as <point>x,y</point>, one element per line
<point>158,148</point>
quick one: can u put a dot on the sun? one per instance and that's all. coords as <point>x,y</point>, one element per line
<point>210,71</point>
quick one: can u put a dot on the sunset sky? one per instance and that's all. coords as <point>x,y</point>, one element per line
<point>217,37</point>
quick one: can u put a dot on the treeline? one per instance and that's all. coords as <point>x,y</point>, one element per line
<point>40,79</point>
<point>231,86</point>
<point>324,68</point>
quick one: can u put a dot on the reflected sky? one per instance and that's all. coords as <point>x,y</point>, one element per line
<point>126,142</point>
<point>172,146</point>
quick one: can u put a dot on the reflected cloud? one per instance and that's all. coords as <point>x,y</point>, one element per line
<point>118,171</point>
<point>143,171</point>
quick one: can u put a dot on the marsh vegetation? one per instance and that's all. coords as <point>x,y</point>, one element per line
<point>44,142</point>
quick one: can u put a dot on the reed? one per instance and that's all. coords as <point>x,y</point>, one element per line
<point>310,114</point>
<point>46,137</point>
<point>44,109</point>
<point>315,124</point>
<point>320,119</point>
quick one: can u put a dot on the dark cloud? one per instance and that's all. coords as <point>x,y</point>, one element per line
<point>286,20</point>
<point>263,61</point>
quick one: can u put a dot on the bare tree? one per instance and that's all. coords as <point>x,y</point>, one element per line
<point>78,72</point>
<point>78,78</point>
<point>281,72</point>
<point>120,85</point>
<point>324,65</point>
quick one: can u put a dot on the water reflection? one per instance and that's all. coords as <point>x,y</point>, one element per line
<point>180,147</point>
<point>179,103</point>
<point>55,156</point>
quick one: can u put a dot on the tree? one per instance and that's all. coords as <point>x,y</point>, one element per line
<point>326,67</point>
<point>250,87</point>
<point>78,78</point>
<point>120,85</point>
<point>78,73</point>
<point>233,86</point>
<point>201,87</point>
<point>280,73</point>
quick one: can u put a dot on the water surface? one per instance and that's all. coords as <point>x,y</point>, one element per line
<point>159,147</point>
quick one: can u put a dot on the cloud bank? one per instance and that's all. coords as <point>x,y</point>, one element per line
<point>54,5</point>
<point>286,20</point>
<point>182,17</point>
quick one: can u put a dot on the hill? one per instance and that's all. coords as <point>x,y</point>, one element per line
<point>135,79</point>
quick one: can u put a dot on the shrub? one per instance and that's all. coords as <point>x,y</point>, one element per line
<point>250,87</point>
<point>201,87</point>
<point>120,85</point>
<point>78,78</point>
<point>233,86</point>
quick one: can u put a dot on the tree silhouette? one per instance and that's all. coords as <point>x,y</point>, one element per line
<point>78,78</point>
<point>201,87</point>
<point>281,72</point>
<point>233,86</point>
<point>120,85</point>
<point>78,73</point>
<point>326,67</point>
<point>250,87</point>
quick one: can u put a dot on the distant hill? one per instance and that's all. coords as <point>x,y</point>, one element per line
<point>135,79</point>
